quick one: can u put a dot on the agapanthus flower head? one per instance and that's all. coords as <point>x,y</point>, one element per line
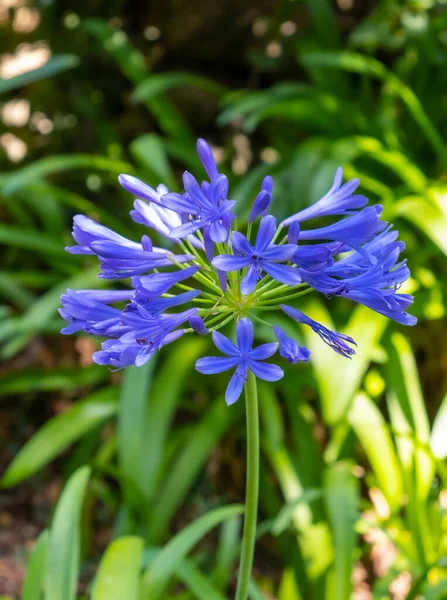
<point>220,276</point>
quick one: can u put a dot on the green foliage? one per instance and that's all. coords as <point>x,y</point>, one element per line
<point>353,452</point>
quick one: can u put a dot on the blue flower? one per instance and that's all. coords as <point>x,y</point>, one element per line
<point>356,256</point>
<point>146,334</point>
<point>201,206</point>
<point>243,357</point>
<point>263,200</point>
<point>263,256</point>
<point>86,231</point>
<point>337,201</point>
<point>337,341</point>
<point>289,348</point>
<point>89,311</point>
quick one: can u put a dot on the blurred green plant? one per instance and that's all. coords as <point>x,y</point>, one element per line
<point>353,456</point>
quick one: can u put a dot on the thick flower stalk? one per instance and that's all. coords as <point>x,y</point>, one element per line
<point>208,275</point>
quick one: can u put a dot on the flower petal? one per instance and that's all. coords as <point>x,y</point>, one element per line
<point>279,253</point>
<point>229,262</point>
<point>225,345</point>
<point>138,188</point>
<point>210,365</point>
<point>236,385</point>
<point>249,280</point>
<point>264,351</point>
<point>178,203</point>
<point>266,232</point>
<point>240,244</point>
<point>282,273</point>
<point>265,371</point>
<point>218,232</point>
<point>244,335</point>
<point>206,158</point>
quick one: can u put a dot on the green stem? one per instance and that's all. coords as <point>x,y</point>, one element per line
<point>252,488</point>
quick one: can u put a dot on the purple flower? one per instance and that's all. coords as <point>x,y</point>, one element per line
<point>243,357</point>
<point>202,205</point>
<point>198,324</point>
<point>337,341</point>
<point>160,283</point>
<point>146,334</point>
<point>288,347</point>
<point>152,212</point>
<point>86,231</point>
<point>353,231</point>
<point>337,201</point>
<point>118,261</point>
<point>263,256</point>
<point>356,256</point>
<point>207,159</point>
<point>89,311</point>
<point>263,200</point>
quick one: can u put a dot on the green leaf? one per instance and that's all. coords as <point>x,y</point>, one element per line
<point>288,589</point>
<point>165,395</point>
<point>159,572</point>
<point>63,554</point>
<point>438,438</point>
<point>192,457</point>
<point>150,152</point>
<point>52,165</point>
<point>59,433</point>
<point>35,569</point>
<point>156,84</point>
<point>23,382</point>
<point>132,417</point>
<point>373,433</point>
<point>196,582</point>
<point>119,570</point>
<point>342,501</point>
<point>56,64</point>
<point>44,309</point>
<point>427,216</point>
<point>228,541</point>
<point>30,239</point>
<point>339,379</point>
<point>364,65</point>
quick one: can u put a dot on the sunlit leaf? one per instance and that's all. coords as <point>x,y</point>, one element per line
<point>56,64</point>
<point>119,570</point>
<point>63,551</point>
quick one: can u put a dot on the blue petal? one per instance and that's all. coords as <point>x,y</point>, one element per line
<point>279,253</point>
<point>289,348</point>
<point>138,188</point>
<point>225,345</point>
<point>260,204</point>
<point>236,385</point>
<point>206,158</point>
<point>265,371</point>
<point>240,244</point>
<point>282,273</point>
<point>198,325</point>
<point>210,365</point>
<point>250,280</point>
<point>266,232</point>
<point>186,229</point>
<point>218,233</point>
<point>229,262</point>
<point>244,334</point>
<point>178,203</point>
<point>264,351</point>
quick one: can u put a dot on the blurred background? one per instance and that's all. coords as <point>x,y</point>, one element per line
<point>102,468</point>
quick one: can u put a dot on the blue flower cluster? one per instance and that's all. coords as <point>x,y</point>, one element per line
<point>220,275</point>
